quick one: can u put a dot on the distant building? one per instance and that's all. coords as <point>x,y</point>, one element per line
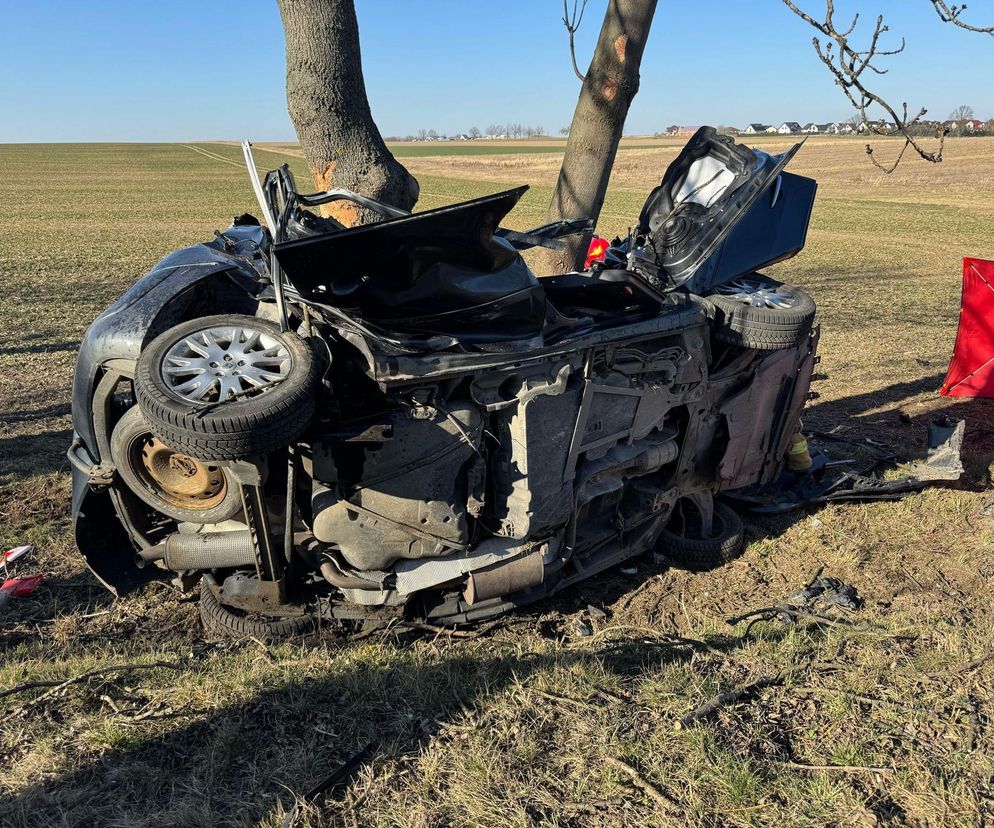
<point>683,130</point>
<point>817,129</point>
<point>846,129</point>
<point>968,125</point>
<point>875,126</point>
<point>756,129</point>
<point>789,128</point>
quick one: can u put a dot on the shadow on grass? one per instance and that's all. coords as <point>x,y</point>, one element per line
<point>41,348</point>
<point>25,455</point>
<point>234,765</point>
<point>27,415</point>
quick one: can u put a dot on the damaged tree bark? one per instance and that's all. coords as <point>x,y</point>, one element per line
<point>326,97</point>
<point>609,87</point>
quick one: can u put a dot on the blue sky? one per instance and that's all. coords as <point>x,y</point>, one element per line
<point>106,70</point>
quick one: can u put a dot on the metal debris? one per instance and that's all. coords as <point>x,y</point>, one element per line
<point>821,593</point>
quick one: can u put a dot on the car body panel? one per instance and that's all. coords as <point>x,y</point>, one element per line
<point>706,192</point>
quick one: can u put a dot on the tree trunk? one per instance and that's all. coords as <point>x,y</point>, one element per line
<point>598,121</point>
<point>326,97</point>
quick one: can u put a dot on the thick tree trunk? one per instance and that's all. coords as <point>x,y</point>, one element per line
<point>598,121</point>
<point>326,96</point>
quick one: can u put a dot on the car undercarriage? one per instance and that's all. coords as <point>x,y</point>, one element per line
<point>400,420</point>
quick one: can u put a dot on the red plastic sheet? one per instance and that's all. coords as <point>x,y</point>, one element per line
<point>971,371</point>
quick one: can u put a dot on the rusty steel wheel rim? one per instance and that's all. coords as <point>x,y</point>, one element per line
<point>176,477</point>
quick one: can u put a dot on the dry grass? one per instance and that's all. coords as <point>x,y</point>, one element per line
<point>524,726</point>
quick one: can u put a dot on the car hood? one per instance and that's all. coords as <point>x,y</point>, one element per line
<point>705,192</point>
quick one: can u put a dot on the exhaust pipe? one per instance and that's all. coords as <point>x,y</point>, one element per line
<point>505,577</point>
<point>203,550</point>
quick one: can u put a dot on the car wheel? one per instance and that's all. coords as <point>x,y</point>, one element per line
<point>227,387</point>
<point>220,620</point>
<point>169,481</point>
<point>683,542</point>
<point>760,313</point>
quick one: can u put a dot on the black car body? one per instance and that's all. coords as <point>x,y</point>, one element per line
<point>420,426</point>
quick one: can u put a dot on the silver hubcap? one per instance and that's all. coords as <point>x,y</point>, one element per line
<point>223,363</point>
<point>756,293</point>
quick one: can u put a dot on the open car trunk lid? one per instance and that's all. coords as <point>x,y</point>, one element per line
<point>703,197</point>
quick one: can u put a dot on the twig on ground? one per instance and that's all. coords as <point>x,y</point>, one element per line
<point>709,708</point>
<point>648,632</point>
<point>640,589</point>
<point>662,799</point>
<point>842,768</point>
<point>861,697</point>
<point>450,631</point>
<point>337,780</point>
<point>58,687</point>
<point>585,705</point>
<point>769,613</point>
<point>28,685</point>
<point>977,662</point>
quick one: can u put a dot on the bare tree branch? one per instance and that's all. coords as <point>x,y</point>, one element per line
<point>572,23</point>
<point>848,65</point>
<point>951,14</point>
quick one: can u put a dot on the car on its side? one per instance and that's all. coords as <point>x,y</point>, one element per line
<point>400,420</point>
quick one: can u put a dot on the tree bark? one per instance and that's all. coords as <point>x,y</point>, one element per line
<point>598,122</point>
<point>326,97</point>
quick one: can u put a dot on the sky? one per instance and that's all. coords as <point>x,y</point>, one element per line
<point>179,70</point>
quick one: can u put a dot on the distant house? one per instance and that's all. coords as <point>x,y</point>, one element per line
<point>756,129</point>
<point>789,128</point>
<point>817,129</point>
<point>875,126</point>
<point>682,130</point>
<point>968,125</point>
<point>846,129</point>
<point>832,129</point>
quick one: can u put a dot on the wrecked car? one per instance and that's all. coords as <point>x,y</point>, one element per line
<point>400,420</point>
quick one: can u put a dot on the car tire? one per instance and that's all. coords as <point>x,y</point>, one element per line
<point>759,313</point>
<point>218,619</point>
<point>685,547</point>
<point>170,482</point>
<point>275,371</point>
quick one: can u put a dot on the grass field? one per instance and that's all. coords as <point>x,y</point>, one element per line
<point>886,720</point>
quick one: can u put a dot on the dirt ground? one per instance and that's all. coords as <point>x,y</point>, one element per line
<point>881,718</point>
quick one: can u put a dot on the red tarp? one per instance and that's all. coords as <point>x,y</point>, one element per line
<point>971,371</point>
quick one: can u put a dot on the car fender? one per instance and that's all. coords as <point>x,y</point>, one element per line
<point>156,302</point>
